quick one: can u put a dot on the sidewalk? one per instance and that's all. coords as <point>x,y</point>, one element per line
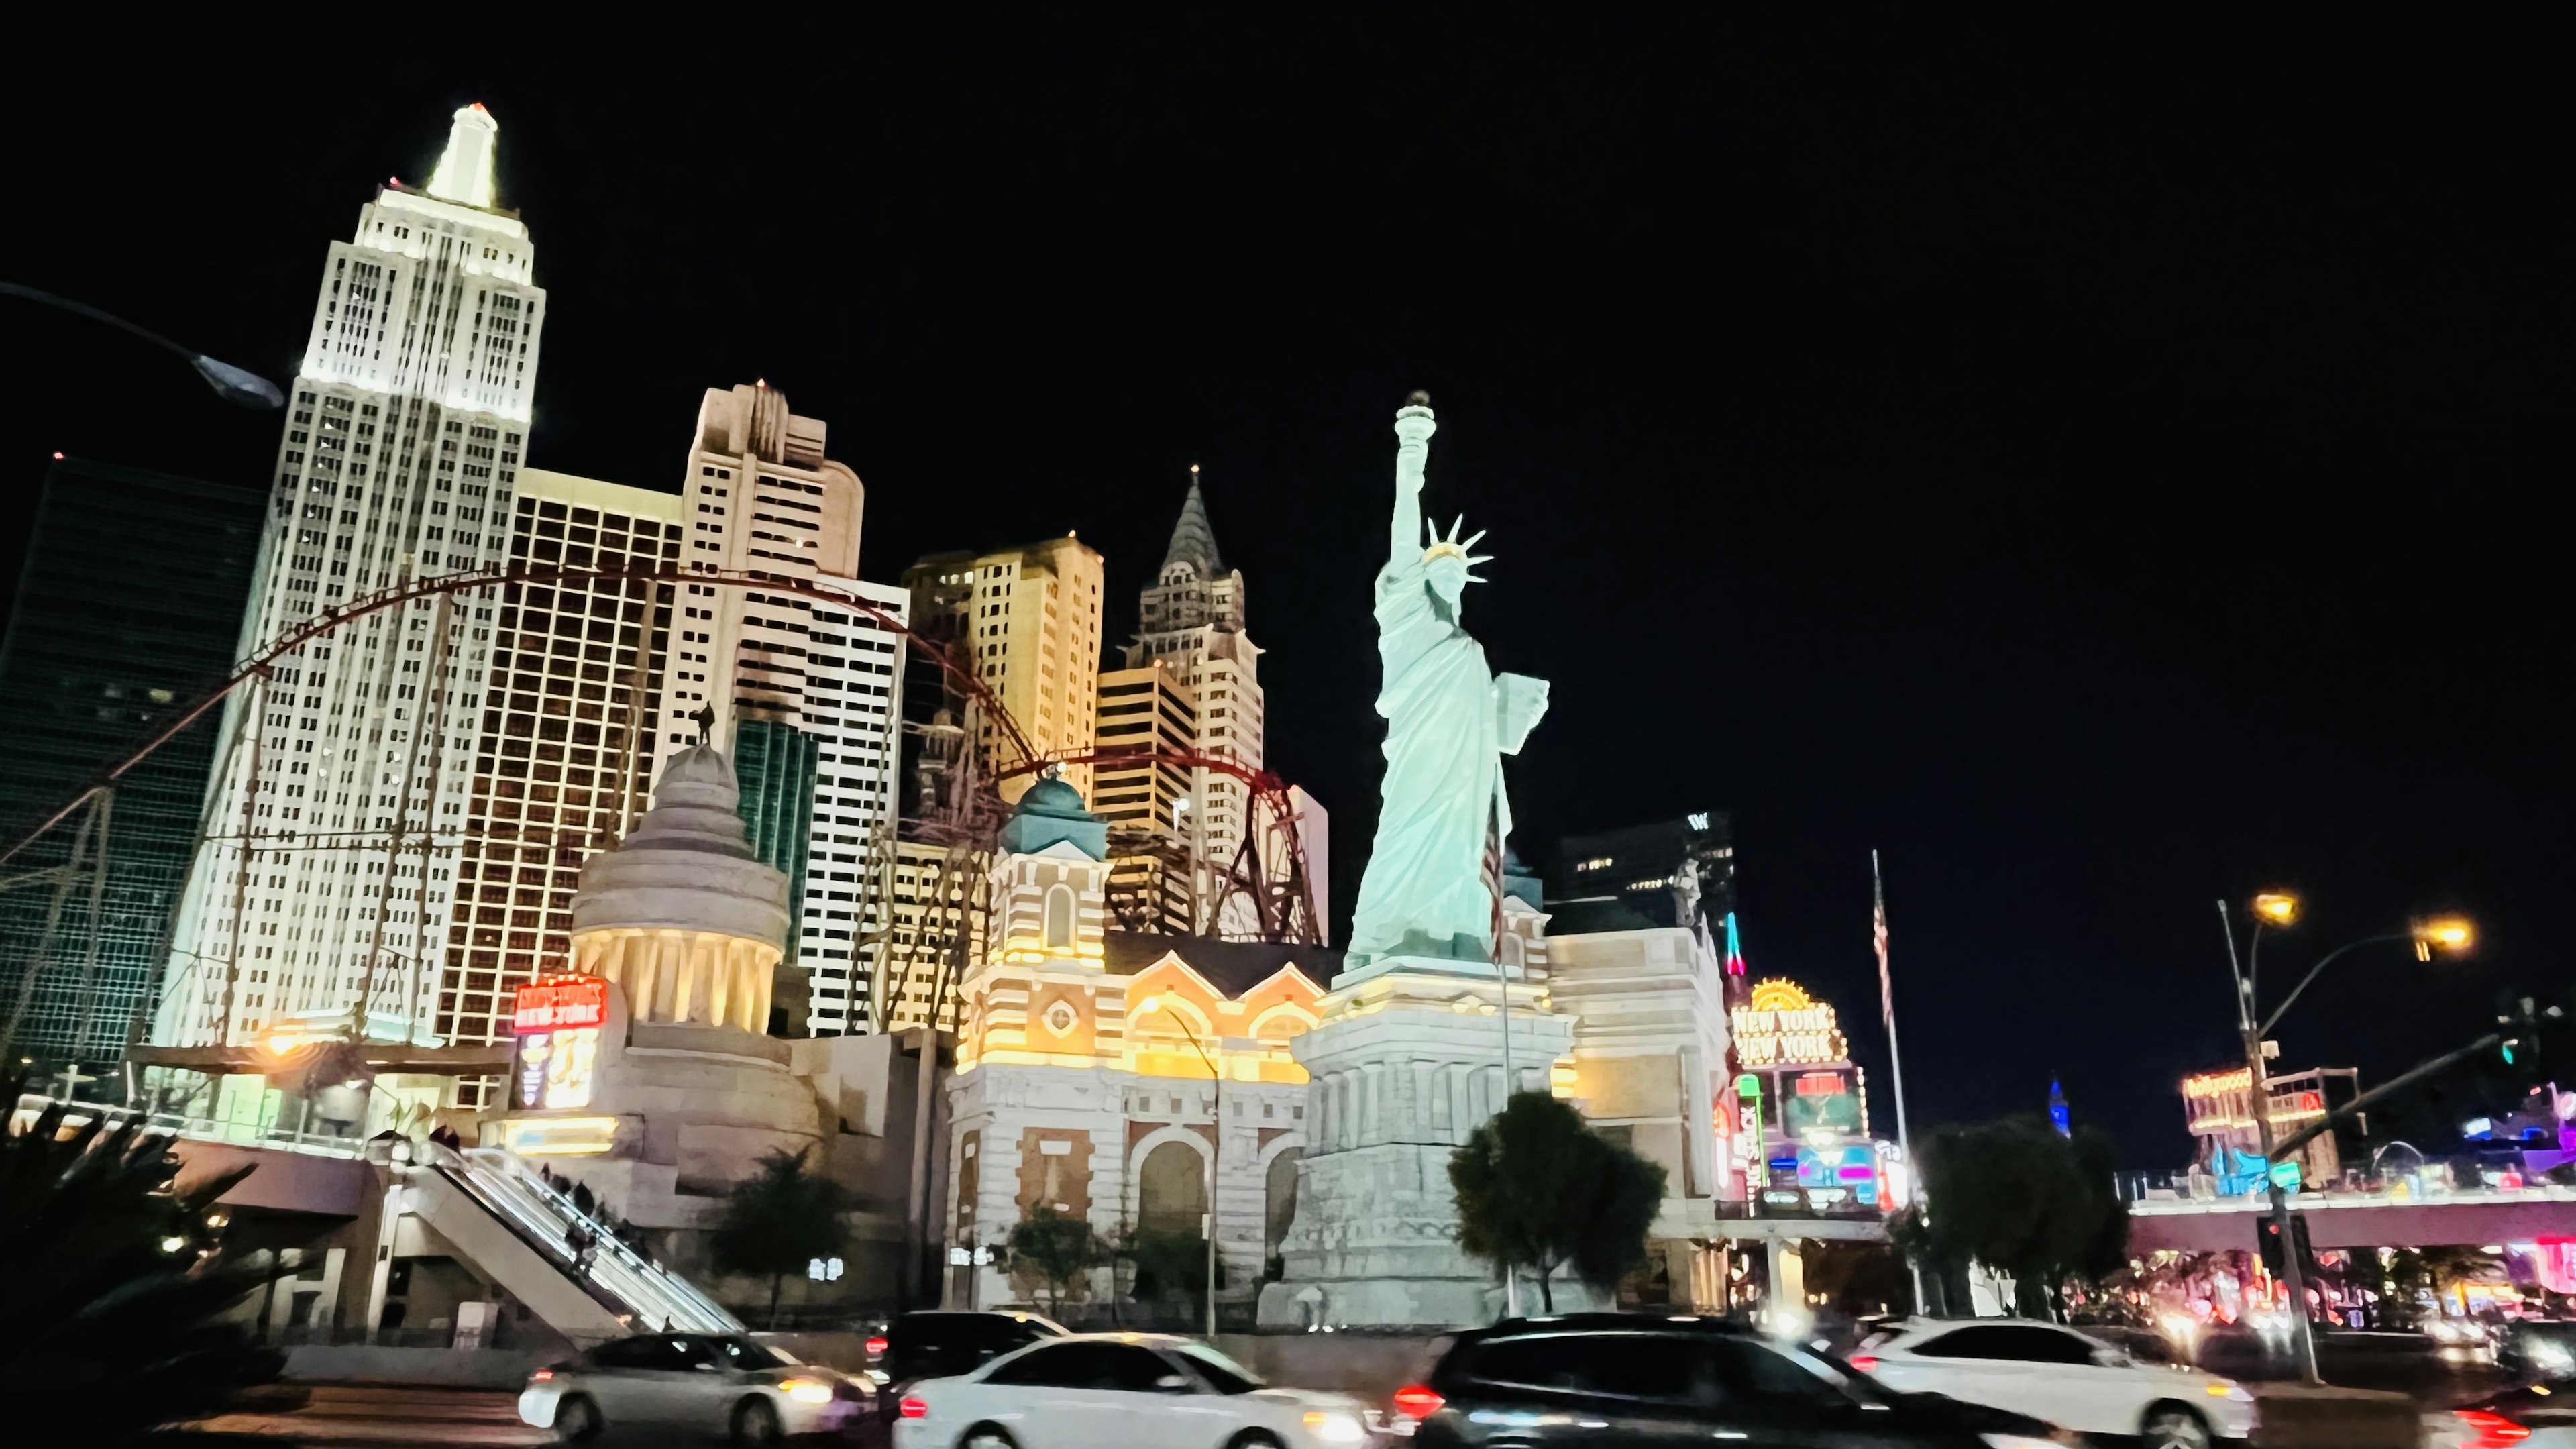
<point>390,1415</point>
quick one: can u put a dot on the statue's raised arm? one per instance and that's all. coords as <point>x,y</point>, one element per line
<point>1413,430</point>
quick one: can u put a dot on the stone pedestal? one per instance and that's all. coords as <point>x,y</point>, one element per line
<point>1408,1060</point>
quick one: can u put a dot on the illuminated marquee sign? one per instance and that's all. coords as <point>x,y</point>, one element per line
<point>1782,1026</point>
<point>2223,1101</point>
<point>560,1002</point>
<point>557,1023</point>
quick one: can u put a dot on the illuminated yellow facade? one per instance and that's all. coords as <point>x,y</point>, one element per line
<point>697,977</point>
<point>1030,620</point>
<point>1117,1091</point>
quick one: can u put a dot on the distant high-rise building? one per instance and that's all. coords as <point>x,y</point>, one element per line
<point>806,693</point>
<point>404,434</point>
<point>1192,623</point>
<point>1153,878</point>
<point>129,605</point>
<point>556,772</point>
<point>1030,619</point>
<point>1671,873</point>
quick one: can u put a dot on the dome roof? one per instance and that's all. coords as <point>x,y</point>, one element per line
<point>688,864</point>
<point>1053,798</point>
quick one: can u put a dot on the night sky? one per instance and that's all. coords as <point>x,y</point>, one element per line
<point>2102,470</point>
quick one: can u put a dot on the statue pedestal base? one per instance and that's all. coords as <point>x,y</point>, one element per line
<point>1408,1060</point>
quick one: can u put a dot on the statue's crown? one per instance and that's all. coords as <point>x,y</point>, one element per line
<point>1455,547</point>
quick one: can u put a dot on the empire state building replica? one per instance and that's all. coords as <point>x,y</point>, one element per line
<point>320,897</point>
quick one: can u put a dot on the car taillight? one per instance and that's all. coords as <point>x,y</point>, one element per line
<point>876,1345</point>
<point>541,1375</point>
<point>2493,1431</point>
<point>1866,1362</point>
<point>913,1408</point>
<point>1414,1401</point>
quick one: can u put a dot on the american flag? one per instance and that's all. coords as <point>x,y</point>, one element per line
<point>1878,938</point>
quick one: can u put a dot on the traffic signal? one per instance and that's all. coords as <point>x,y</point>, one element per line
<point>2523,1018</point>
<point>2267,1239</point>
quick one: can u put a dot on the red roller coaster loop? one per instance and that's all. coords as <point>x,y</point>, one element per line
<point>959,674</point>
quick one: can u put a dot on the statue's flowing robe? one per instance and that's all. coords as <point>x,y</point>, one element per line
<point>1442,800</point>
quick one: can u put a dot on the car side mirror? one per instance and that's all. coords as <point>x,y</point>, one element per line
<point>2111,1358</point>
<point>1172,1384</point>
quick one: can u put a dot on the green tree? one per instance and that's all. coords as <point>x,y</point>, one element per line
<point>111,1283</point>
<point>1165,1264</point>
<point>1058,1247</point>
<point>777,1221</point>
<point>1538,1189</point>
<point>2015,1196</point>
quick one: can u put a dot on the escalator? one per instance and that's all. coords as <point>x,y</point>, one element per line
<point>513,1225</point>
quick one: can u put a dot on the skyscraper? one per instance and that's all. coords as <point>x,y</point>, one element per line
<point>128,606</point>
<point>1030,618</point>
<point>325,887</point>
<point>1153,879</point>
<point>1671,873</point>
<point>1192,623</point>
<point>556,773</point>
<point>806,694</point>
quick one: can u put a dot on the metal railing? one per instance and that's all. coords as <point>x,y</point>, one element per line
<point>654,1295</point>
<point>198,1129</point>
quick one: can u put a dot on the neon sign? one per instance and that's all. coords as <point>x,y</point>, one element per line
<point>1782,1026</point>
<point>557,1024</point>
<point>559,1002</point>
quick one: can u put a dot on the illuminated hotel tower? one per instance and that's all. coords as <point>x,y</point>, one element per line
<point>804,695</point>
<point>326,891</point>
<point>1192,624</point>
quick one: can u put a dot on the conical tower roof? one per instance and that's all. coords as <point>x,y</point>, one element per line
<point>1193,541</point>
<point>688,864</point>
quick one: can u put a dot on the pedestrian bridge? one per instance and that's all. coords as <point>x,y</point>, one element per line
<point>485,1207</point>
<point>2470,1217</point>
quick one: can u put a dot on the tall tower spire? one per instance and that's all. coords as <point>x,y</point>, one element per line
<point>1193,541</point>
<point>465,168</point>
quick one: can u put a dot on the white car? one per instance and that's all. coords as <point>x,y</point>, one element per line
<point>2060,1375</point>
<point>1128,1390</point>
<point>719,1383</point>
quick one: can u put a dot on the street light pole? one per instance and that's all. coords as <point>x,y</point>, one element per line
<point>1216,1144</point>
<point>2258,1092</point>
<point>2448,934</point>
<point>238,386</point>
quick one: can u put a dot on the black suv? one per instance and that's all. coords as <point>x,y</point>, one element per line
<point>942,1345</point>
<point>1669,1382</point>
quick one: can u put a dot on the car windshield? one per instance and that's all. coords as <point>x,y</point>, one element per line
<point>1227,1376</point>
<point>743,1353</point>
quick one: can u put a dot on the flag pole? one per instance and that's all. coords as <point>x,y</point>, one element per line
<point>1895,1060</point>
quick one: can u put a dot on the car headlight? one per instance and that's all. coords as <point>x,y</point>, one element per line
<point>2227,1389</point>
<point>1336,1428</point>
<point>806,1391</point>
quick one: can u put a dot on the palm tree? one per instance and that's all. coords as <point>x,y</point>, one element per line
<point>111,1287</point>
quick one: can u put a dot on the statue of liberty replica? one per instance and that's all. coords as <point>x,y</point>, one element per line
<point>1435,867</point>
<point>1429,1027</point>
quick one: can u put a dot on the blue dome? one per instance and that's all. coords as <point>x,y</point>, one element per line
<point>1055,799</point>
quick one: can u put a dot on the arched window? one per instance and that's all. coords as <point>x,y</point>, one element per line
<point>1058,931</point>
<point>1171,1190</point>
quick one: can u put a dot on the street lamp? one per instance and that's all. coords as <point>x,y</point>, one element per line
<point>238,386</point>
<point>2280,910</point>
<point>1216,1142</point>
